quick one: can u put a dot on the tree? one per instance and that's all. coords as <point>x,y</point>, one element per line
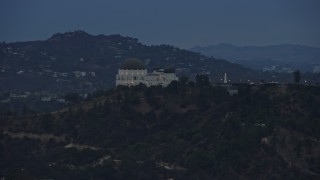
<point>183,80</point>
<point>25,109</point>
<point>297,77</point>
<point>72,97</point>
<point>48,122</point>
<point>173,87</point>
<point>202,80</point>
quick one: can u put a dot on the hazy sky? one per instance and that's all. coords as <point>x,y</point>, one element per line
<point>184,23</point>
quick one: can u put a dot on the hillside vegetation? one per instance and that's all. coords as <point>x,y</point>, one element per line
<point>185,131</point>
<point>78,61</point>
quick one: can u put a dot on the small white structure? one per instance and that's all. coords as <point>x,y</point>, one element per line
<point>133,72</point>
<point>226,84</point>
<point>225,79</point>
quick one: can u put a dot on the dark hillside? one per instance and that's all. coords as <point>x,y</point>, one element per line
<point>77,61</point>
<point>184,131</point>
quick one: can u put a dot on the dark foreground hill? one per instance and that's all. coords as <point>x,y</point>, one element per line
<point>78,61</point>
<point>178,132</point>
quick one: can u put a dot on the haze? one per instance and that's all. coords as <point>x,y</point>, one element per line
<point>181,23</point>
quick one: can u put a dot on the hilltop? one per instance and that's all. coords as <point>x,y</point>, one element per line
<point>80,62</point>
<point>185,131</point>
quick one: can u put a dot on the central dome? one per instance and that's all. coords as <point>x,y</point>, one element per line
<point>133,64</point>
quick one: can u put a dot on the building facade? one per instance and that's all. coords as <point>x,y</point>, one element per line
<point>133,72</point>
<point>130,77</point>
<point>160,77</point>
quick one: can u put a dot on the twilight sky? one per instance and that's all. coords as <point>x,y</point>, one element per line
<point>183,23</point>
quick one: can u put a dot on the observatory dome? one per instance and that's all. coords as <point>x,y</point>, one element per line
<point>133,64</point>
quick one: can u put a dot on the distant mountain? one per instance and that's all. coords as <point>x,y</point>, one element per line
<point>259,57</point>
<point>78,61</point>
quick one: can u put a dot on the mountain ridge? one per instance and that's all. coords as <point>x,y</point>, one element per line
<point>290,55</point>
<point>61,57</point>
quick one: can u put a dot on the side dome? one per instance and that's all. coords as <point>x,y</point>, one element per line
<point>133,64</point>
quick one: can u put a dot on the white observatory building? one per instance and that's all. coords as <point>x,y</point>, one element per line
<point>133,72</point>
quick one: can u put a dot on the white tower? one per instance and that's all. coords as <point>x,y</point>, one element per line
<point>225,79</point>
